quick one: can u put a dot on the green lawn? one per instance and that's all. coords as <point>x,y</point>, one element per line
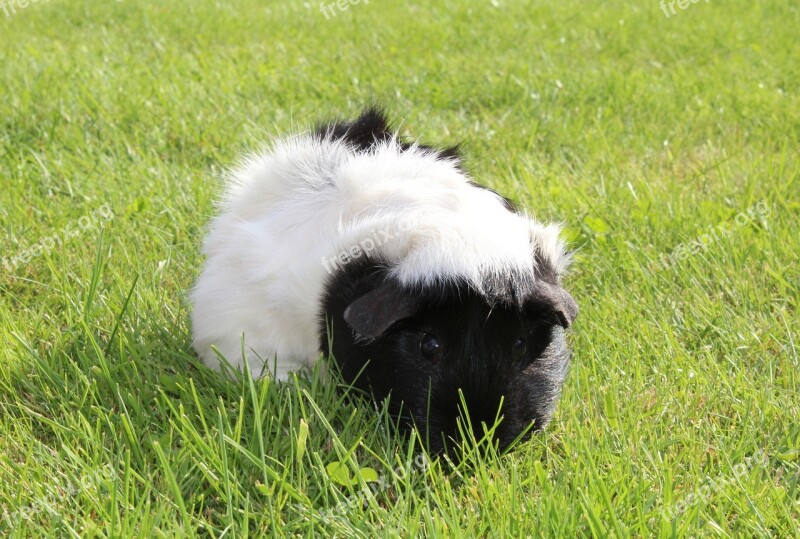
<point>668,145</point>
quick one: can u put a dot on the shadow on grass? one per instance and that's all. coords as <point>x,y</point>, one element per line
<point>222,450</point>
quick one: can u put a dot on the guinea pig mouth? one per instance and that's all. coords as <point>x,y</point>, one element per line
<point>461,440</point>
<point>455,434</point>
<point>458,429</point>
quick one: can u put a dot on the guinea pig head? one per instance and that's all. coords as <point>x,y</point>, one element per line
<point>434,350</point>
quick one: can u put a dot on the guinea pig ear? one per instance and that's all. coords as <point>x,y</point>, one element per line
<point>560,302</point>
<point>373,313</point>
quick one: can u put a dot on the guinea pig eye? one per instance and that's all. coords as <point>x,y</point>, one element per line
<point>430,346</point>
<point>520,347</point>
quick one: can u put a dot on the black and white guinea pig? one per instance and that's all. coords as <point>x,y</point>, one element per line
<point>347,242</point>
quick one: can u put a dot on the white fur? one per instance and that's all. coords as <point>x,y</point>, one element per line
<point>287,214</point>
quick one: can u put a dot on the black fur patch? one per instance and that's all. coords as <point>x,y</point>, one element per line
<point>479,358</point>
<point>372,127</point>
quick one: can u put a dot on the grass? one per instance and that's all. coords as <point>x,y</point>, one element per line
<point>641,132</point>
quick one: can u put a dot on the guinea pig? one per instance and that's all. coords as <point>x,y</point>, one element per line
<point>424,287</point>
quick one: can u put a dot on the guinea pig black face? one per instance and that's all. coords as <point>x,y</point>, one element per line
<point>430,351</point>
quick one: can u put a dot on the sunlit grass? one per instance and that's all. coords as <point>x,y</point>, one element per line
<point>640,132</point>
